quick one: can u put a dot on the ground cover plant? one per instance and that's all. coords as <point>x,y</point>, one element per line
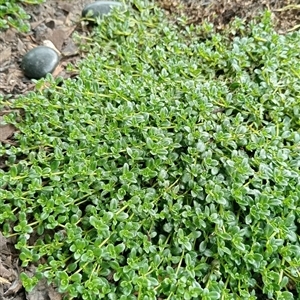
<point>12,14</point>
<point>168,169</point>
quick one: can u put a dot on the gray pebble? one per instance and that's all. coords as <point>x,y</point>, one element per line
<point>40,61</point>
<point>99,8</point>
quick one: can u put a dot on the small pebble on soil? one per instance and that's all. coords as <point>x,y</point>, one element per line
<point>40,61</point>
<point>99,8</point>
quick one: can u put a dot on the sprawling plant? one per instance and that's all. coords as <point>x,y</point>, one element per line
<point>168,169</point>
<point>12,14</point>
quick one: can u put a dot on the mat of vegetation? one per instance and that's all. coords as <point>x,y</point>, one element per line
<point>168,169</point>
<point>12,14</point>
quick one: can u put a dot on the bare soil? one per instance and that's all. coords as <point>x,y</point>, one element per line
<point>56,21</point>
<point>286,13</point>
<point>53,21</point>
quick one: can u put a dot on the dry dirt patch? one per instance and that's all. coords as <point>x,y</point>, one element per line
<point>286,13</point>
<point>55,21</point>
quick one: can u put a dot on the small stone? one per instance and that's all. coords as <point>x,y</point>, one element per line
<point>99,8</point>
<point>40,61</point>
<point>49,44</point>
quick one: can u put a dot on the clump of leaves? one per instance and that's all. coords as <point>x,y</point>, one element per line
<point>169,168</point>
<point>12,14</point>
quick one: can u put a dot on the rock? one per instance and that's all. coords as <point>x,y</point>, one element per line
<point>40,61</point>
<point>99,8</point>
<point>49,44</point>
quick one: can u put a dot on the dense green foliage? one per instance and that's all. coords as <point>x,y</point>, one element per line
<point>12,14</point>
<point>169,168</point>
